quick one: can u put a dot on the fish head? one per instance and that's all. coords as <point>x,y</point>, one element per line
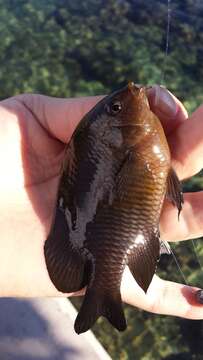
<point>128,116</point>
<point>120,120</point>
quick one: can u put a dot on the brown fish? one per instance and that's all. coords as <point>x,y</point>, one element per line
<point>116,174</point>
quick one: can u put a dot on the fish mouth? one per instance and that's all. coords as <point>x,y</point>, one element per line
<point>135,88</point>
<point>139,92</point>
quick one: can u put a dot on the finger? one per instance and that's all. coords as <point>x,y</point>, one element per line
<point>167,107</point>
<point>58,116</point>
<point>190,223</point>
<point>162,297</point>
<point>186,145</point>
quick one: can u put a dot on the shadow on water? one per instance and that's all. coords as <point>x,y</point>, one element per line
<point>26,335</point>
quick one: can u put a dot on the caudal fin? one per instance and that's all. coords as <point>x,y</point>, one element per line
<point>95,305</point>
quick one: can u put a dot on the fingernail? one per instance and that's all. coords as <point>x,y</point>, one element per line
<point>163,101</point>
<point>199,296</point>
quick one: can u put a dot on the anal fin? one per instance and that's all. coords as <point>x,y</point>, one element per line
<point>143,258</point>
<point>65,265</point>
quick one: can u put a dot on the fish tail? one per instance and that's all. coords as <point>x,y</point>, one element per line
<point>96,304</point>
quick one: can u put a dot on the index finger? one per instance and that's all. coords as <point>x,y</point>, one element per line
<point>167,107</point>
<point>185,138</point>
<point>186,145</point>
<point>162,297</point>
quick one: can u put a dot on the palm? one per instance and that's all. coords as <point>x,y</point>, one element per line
<point>40,156</point>
<point>41,171</point>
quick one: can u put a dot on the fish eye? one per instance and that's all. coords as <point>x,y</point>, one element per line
<point>114,108</point>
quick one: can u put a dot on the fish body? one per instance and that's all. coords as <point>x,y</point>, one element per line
<point>115,176</point>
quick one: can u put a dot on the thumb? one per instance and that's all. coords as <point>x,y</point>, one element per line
<point>56,115</point>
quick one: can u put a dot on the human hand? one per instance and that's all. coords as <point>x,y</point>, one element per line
<point>33,133</point>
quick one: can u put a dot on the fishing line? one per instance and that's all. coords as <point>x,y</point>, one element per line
<point>168,29</point>
<point>179,267</point>
<point>196,255</point>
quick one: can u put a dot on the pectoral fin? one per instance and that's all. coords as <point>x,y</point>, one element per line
<point>142,260</point>
<point>65,265</point>
<point>174,190</point>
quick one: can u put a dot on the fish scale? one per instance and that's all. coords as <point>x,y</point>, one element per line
<point>113,247</point>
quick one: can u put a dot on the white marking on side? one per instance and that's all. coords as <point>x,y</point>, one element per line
<point>156,149</point>
<point>140,240</point>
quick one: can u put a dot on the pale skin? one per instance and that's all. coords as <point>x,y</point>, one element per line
<point>33,133</point>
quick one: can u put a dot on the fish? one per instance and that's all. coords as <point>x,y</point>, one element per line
<point>115,176</point>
